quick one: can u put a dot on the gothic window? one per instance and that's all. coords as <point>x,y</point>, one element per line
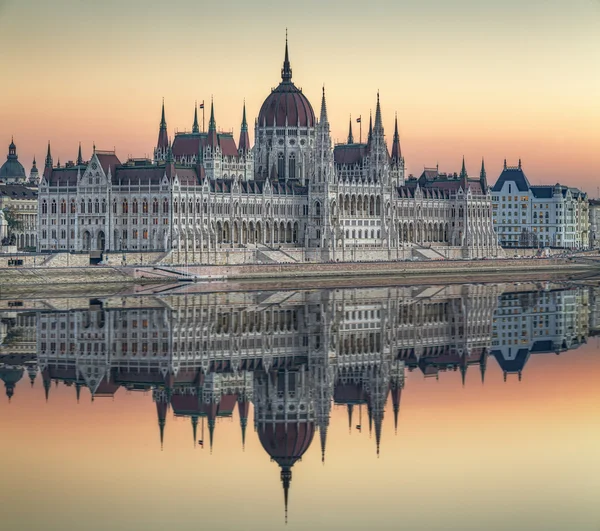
<point>145,234</point>
<point>318,209</point>
<point>73,207</point>
<point>53,207</point>
<point>72,234</point>
<point>183,207</point>
<point>135,206</point>
<point>63,207</point>
<point>44,207</point>
<point>125,206</point>
<point>44,235</point>
<point>97,207</point>
<point>280,166</point>
<point>165,206</point>
<point>82,209</point>
<point>104,206</point>
<point>144,206</point>
<point>63,234</point>
<point>89,206</point>
<point>155,206</point>
<point>292,170</point>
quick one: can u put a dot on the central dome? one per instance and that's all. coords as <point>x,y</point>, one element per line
<point>286,105</point>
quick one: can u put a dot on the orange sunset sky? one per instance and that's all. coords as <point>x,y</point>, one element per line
<point>511,79</point>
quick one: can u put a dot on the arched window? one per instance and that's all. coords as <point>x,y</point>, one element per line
<point>63,207</point>
<point>44,207</point>
<point>175,206</point>
<point>165,206</point>
<point>280,166</point>
<point>104,206</point>
<point>73,207</point>
<point>97,207</point>
<point>53,207</point>
<point>82,207</point>
<point>292,169</point>
<point>89,206</point>
<point>155,206</point>
<point>134,206</point>
<point>145,206</point>
<point>317,209</point>
<point>125,206</point>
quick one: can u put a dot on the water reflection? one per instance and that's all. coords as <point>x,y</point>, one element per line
<point>292,355</point>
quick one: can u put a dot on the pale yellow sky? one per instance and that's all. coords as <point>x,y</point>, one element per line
<point>481,78</point>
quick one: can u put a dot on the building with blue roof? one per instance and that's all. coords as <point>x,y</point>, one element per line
<point>538,216</point>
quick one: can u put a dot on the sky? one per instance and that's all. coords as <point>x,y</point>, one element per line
<point>479,78</point>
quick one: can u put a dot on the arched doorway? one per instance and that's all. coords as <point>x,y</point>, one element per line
<point>101,241</point>
<point>86,240</point>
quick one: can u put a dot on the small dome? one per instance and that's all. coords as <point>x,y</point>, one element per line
<point>286,103</point>
<point>12,169</point>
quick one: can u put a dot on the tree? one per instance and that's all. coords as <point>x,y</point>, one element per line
<point>13,222</point>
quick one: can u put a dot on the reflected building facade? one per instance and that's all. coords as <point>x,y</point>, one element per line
<point>291,355</point>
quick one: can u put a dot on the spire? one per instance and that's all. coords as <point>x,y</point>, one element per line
<point>163,140</point>
<point>396,395</point>
<point>195,428</point>
<point>244,143</point>
<point>350,135</point>
<point>378,122</point>
<point>370,137</point>
<point>49,157</point>
<point>212,126</point>
<point>483,177</point>
<point>286,71</point>
<point>519,163</point>
<point>504,163</point>
<point>78,391</point>
<point>463,171</point>
<point>483,367</point>
<point>243,411</point>
<point>378,427</point>
<point>396,151</point>
<point>161,409</point>
<point>350,408</point>
<point>163,122</point>
<point>286,479</point>
<point>195,127</point>
<point>323,435</point>
<point>463,373</point>
<point>211,432</point>
<point>79,157</point>
<point>323,119</point>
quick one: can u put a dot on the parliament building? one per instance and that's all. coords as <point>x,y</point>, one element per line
<point>292,197</point>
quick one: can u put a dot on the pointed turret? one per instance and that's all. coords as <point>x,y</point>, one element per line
<point>195,126</point>
<point>350,408</point>
<point>396,396</point>
<point>78,391</point>
<point>212,127</point>
<point>323,436</point>
<point>161,410</point>
<point>163,139</point>
<point>463,171</point>
<point>370,137</point>
<point>195,428</point>
<point>396,151</point>
<point>243,408</point>
<point>286,479</point>
<point>378,121</point>
<point>350,135</point>
<point>323,118</point>
<point>286,71</point>
<point>483,367</point>
<point>49,157</point>
<point>483,177</point>
<point>244,143</point>
<point>79,157</point>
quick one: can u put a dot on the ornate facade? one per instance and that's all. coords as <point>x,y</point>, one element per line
<point>293,196</point>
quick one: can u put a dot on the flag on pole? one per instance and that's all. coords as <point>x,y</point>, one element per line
<point>358,120</point>
<point>201,105</point>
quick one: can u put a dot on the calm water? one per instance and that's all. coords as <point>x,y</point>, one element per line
<point>425,408</point>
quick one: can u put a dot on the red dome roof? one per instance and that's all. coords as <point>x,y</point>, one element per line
<point>286,443</point>
<point>286,102</point>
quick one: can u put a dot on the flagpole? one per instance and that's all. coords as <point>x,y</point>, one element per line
<point>203,129</point>
<point>360,127</point>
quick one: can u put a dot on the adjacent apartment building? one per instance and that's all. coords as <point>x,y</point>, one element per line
<point>538,216</point>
